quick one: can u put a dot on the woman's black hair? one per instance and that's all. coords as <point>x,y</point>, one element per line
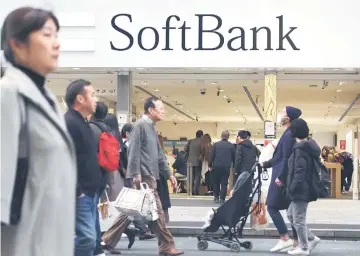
<point>126,128</point>
<point>111,121</point>
<point>100,111</point>
<point>19,24</point>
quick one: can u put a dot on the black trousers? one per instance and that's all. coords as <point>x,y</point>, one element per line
<point>220,181</point>
<point>209,180</point>
<point>196,172</point>
<point>346,179</point>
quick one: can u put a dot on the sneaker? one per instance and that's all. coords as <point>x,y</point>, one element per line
<point>290,248</point>
<point>314,243</point>
<point>282,245</point>
<point>299,251</point>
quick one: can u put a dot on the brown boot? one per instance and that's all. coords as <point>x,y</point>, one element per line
<point>171,252</point>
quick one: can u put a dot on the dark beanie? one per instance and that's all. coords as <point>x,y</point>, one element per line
<point>299,129</point>
<point>293,113</point>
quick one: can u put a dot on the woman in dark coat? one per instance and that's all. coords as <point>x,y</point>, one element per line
<point>163,189</point>
<point>276,199</point>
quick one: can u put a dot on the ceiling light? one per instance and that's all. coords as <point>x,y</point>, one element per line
<point>76,68</point>
<point>144,83</point>
<point>156,90</point>
<point>139,68</point>
<point>225,97</point>
<point>342,83</point>
<point>237,110</point>
<point>339,90</point>
<point>214,82</point>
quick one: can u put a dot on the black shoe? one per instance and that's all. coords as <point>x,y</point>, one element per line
<point>99,251</point>
<point>147,236</point>
<point>216,200</point>
<point>130,233</point>
<point>222,201</point>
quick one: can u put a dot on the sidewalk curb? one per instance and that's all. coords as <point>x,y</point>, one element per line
<point>353,234</point>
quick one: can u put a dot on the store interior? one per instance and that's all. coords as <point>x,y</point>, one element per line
<point>217,100</point>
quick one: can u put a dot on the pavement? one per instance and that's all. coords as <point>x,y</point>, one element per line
<point>260,248</point>
<point>327,218</point>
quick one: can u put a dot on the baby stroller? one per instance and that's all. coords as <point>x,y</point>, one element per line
<point>234,213</point>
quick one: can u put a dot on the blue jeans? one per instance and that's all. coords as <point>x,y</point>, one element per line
<point>278,220</point>
<point>86,209</point>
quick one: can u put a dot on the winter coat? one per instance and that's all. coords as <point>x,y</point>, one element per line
<point>276,196</point>
<point>245,157</point>
<point>301,165</point>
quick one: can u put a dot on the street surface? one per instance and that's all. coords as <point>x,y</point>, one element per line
<point>327,213</point>
<point>260,248</point>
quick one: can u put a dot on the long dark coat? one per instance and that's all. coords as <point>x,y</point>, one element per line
<point>163,191</point>
<point>276,196</point>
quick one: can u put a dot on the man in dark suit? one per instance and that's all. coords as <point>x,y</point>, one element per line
<point>221,159</point>
<point>276,199</point>
<point>193,150</point>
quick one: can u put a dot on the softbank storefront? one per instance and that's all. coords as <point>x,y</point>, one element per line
<point>122,45</point>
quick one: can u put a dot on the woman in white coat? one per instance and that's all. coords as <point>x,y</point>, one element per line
<point>38,166</point>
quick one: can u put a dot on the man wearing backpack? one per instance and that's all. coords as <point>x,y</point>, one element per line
<point>299,187</point>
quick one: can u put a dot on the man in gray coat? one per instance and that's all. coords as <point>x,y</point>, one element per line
<point>145,162</point>
<point>193,150</point>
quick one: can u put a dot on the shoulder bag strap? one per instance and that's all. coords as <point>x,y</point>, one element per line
<point>22,170</point>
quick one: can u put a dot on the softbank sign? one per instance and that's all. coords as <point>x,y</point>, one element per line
<point>231,38</point>
<point>214,33</point>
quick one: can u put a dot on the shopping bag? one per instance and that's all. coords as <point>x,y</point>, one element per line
<point>137,203</point>
<point>107,214</point>
<point>258,217</point>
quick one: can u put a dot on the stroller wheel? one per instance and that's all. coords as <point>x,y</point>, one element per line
<point>235,247</point>
<point>248,245</point>
<point>202,245</point>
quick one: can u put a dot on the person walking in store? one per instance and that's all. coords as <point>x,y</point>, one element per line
<point>145,162</point>
<point>80,99</point>
<point>298,189</point>
<point>276,199</point>
<point>193,150</point>
<point>246,152</point>
<point>221,159</point>
<point>205,151</point>
<point>38,164</point>
<point>98,126</point>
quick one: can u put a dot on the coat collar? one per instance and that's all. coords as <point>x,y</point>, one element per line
<point>28,89</point>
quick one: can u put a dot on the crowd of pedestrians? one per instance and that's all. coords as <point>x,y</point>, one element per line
<point>54,178</point>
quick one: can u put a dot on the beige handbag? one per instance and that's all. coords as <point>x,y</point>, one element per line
<point>137,203</point>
